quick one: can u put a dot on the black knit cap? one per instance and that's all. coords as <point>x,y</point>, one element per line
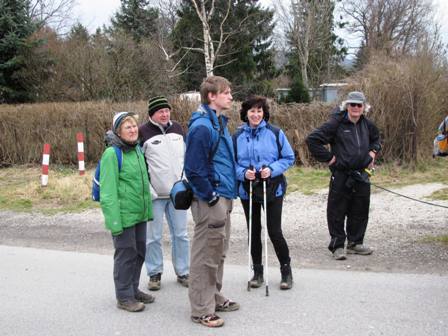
<point>157,103</point>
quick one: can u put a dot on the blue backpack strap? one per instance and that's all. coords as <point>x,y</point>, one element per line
<point>276,131</point>
<point>235,140</point>
<point>119,157</point>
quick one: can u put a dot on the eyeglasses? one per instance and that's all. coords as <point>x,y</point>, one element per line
<point>355,105</point>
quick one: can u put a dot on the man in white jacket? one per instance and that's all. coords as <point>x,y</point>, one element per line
<point>163,143</point>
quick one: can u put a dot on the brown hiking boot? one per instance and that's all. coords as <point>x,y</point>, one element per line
<point>183,280</point>
<point>130,306</point>
<point>154,282</point>
<point>144,297</point>
<point>227,306</point>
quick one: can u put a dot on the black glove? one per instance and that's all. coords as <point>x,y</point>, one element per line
<point>214,200</point>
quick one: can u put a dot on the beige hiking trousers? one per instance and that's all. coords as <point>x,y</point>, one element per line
<point>208,251</point>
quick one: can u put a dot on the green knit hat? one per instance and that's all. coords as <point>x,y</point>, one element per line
<point>157,103</point>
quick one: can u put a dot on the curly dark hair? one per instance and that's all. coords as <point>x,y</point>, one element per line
<point>254,101</point>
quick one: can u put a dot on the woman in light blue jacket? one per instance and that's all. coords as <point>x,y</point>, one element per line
<point>263,152</point>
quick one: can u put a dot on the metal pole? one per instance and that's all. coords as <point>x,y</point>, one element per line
<point>250,236</point>
<point>266,236</point>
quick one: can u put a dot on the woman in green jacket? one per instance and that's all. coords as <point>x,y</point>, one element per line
<point>126,204</point>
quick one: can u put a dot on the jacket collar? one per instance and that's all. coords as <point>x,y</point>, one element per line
<point>162,129</point>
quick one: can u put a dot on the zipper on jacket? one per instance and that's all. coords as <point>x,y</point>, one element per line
<point>143,180</point>
<point>357,140</point>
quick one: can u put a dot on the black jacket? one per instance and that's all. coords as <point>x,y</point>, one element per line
<point>349,142</point>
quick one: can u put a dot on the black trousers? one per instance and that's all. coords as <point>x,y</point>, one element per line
<point>274,214</point>
<point>347,202</point>
<point>129,256</point>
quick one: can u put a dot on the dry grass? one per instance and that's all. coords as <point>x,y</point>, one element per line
<point>21,190</point>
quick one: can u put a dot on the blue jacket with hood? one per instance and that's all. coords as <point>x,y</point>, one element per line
<point>257,147</point>
<point>216,176</point>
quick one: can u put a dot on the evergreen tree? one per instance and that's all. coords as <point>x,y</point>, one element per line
<point>299,93</point>
<point>16,28</point>
<point>246,59</point>
<point>136,18</point>
<point>79,32</point>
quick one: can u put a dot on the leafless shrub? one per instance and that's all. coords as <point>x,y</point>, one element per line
<point>25,128</point>
<point>409,99</point>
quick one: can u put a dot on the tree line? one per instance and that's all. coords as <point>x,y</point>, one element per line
<point>166,47</point>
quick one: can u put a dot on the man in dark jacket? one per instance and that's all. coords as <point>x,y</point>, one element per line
<point>354,143</point>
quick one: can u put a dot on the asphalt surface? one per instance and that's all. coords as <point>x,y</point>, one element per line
<point>46,292</point>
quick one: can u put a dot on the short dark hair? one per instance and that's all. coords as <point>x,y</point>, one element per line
<point>254,101</point>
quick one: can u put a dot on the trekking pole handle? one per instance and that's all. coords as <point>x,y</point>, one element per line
<point>263,167</point>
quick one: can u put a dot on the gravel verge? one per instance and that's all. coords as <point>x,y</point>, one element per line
<point>398,230</point>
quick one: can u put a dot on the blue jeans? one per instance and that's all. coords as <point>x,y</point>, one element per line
<point>180,250</point>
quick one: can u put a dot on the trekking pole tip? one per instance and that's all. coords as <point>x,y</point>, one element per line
<point>267,290</point>
<point>248,286</point>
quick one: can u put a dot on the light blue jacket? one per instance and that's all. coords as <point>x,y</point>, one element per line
<point>258,147</point>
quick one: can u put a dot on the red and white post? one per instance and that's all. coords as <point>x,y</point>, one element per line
<point>45,165</point>
<point>81,163</point>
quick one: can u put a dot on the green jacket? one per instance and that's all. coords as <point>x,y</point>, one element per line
<point>124,195</point>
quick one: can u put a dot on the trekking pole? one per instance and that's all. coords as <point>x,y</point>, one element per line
<point>266,234</point>
<point>250,235</point>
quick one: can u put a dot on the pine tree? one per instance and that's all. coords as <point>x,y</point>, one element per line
<point>136,18</point>
<point>16,28</point>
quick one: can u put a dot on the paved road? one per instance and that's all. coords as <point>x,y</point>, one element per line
<point>45,292</point>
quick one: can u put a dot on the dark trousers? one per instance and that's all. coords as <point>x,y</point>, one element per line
<point>129,256</point>
<point>274,214</point>
<point>347,202</point>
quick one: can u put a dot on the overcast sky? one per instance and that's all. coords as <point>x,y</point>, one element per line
<point>95,13</point>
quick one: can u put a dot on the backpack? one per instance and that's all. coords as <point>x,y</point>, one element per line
<point>441,140</point>
<point>96,177</point>
<point>181,193</point>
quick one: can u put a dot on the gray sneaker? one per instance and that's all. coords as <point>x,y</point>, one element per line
<point>339,254</point>
<point>154,282</point>
<point>359,249</point>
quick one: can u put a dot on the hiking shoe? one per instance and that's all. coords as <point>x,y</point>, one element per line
<point>144,297</point>
<point>183,280</point>
<point>130,306</point>
<point>227,306</point>
<point>286,282</point>
<point>339,254</point>
<point>210,320</point>
<point>359,249</point>
<point>154,282</point>
<point>257,280</point>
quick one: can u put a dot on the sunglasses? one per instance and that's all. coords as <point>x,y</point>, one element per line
<point>355,105</point>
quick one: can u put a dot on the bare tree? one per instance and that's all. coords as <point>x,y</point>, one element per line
<point>394,26</point>
<point>309,26</point>
<point>55,13</point>
<point>211,48</point>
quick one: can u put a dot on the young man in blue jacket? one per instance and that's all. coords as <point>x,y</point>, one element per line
<point>210,169</point>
